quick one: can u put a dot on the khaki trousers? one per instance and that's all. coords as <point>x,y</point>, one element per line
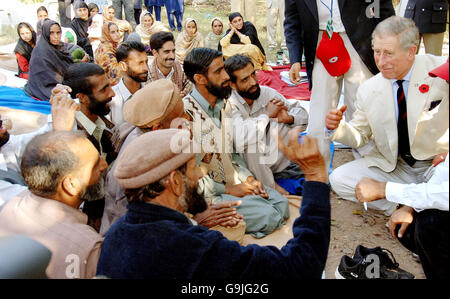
<point>326,91</point>
<point>343,179</point>
<point>247,8</point>
<point>433,43</point>
<point>275,14</point>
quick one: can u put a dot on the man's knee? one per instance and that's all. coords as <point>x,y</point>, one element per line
<point>338,183</point>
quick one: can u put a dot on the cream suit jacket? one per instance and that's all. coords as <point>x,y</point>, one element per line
<point>375,117</point>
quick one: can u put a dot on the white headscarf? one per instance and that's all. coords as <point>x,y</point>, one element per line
<point>147,32</point>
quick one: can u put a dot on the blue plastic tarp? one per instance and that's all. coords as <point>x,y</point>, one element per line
<point>15,98</point>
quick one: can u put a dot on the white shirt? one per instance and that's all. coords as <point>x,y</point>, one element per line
<point>401,8</point>
<point>169,76</point>
<point>122,95</point>
<point>430,195</point>
<point>10,155</point>
<point>250,123</point>
<point>92,128</point>
<point>323,10</point>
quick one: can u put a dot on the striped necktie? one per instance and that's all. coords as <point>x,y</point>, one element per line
<point>402,127</point>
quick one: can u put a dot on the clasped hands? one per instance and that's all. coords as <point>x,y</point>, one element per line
<point>223,214</point>
<point>250,187</point>
<point>277,109</point>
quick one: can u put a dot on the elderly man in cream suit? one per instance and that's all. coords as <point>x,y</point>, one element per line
<point>406,136</point>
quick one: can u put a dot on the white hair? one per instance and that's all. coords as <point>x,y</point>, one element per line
<point>403,28</point>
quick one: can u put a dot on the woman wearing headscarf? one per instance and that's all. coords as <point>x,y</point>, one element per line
<point>242,38</point>
<point>93,10</point>
<point>215,35</point>
<point>49,60</point>
<point>148,26</point>
<point>188,39</point>
<point>124,27</point>
<point>80,24</point>
<point>24,47</point>
<point>105,56</point>
<point>155,4</point>
<point>42,15</point>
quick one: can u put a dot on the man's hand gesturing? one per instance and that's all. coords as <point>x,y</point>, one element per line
<point>334,117</point>
<point>306,155</point>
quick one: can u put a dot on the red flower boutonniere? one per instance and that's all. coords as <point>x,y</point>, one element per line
<point>424,88</point>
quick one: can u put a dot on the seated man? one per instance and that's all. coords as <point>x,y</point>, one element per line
<point>155,240</point>
<point>156,106</point>
<point>60,169</point>
<point>88,83</point>
<point>13,146</point>
<point>164,64</point>
<point>404,112</point>
<point>253,107</point>
<point>226,175</point>
<point>133,61</point>
<point>424,214</point>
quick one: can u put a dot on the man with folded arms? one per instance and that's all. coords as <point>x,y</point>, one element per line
<point>254,109</point>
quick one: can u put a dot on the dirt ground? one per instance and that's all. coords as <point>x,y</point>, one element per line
<point>351,225</point>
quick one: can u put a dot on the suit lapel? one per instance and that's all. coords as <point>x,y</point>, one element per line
<point>312,5</point>
<point>416,99</point>
<point>388,118</point>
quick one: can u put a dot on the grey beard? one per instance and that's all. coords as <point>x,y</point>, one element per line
<point>94,192</point>
<point>190,200</point>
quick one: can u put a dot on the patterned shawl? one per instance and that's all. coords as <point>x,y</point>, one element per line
<point>212,40</point>
<point>185,43</point>
<point>106,40</point>
<point>147,32</point>
<point>123,25</point>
